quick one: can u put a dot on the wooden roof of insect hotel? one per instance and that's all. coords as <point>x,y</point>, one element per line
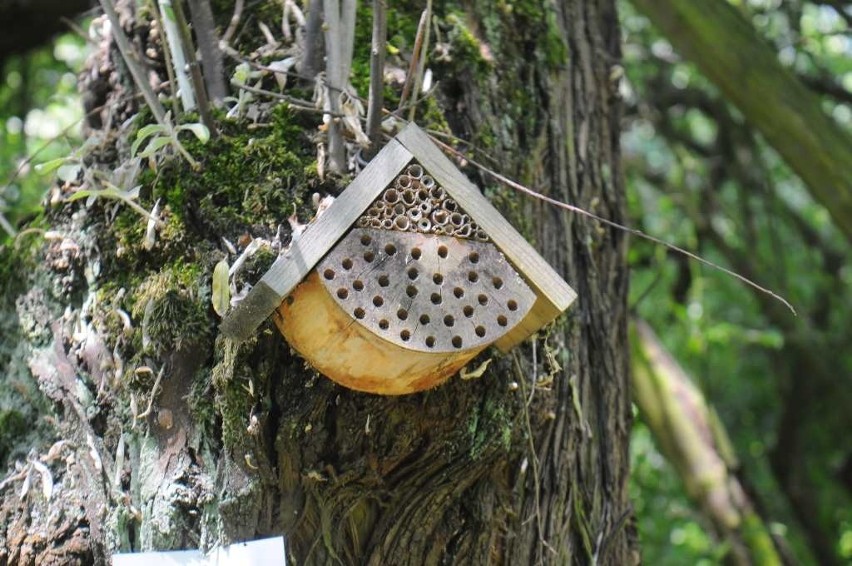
<point>408,275</point>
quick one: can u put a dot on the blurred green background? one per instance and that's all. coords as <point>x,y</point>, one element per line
<point>700,176</point>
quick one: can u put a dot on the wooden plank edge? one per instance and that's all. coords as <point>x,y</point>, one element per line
<point>315,242</point>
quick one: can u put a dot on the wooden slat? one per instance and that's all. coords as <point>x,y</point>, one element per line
<point>554,293</point>
<point>289,269</point>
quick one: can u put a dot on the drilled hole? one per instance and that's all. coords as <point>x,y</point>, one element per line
<point>365,240</point>
<point>342,293</point>
<point>430,341</point>
<point>501,320</point>
<point>405,335</point>
<point>383,324</point>
<point>328,274</point>
<point>483,300</point>
<point>468,311</point>
<point>359,313</point>
<point>457,341</point>
<point>473,257</point>
<point>346,263</point>
<point>442,251</point>
<point>416,253</point>
<point>437,279</point>
<point>497,282</point>
<point>480,331</point>
<point>458,292</point>
<point>390,249</point>
<point>424,319</point>
<point>402,314</point>
<point>369,256</point>
<point>513,306</point>
<point>435,298</point>
<point>411,291</point>
<point>384,280</point>
<point>449,320</point>
<point>473,277</point>
<point>358,285</point>
<point>413,273</point>
<point>378,300</point>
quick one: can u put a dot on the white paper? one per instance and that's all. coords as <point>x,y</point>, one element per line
<point>269,551</point>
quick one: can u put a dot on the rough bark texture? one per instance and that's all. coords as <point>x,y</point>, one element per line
<point>524,465</point>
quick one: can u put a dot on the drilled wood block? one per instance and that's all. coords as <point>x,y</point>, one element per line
<point>424,292</point>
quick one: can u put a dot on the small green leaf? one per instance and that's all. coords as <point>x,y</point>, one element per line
<point>109,192</point>
<point>476,373</point>
<point>50,166</point>
<point>154,145</point>
<point>143,134</point>
<point>200,131</point>
<point>221,292</point>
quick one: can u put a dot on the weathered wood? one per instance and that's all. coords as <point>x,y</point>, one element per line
<point>353,355</point>
<point>427,293</point>
<point>554,294</point>
<point>289,269</point>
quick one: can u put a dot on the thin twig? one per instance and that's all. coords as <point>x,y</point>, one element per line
<point>334,78</point>
<point>519,376</point>
<point>171,29</point>
<point>421,62</point>
<point>633,231</point>
<point>309,65</point>
<point>194,71</point>
<point>153,394</point>
<point>415,55</point>
<point>211,56</point>
<point>377,71</point>
<point>235,21</point>
<point>167,55</point>
<point>298,103</point>
<point>131,59</point>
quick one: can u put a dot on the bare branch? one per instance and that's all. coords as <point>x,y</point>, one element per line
<point>235,21</point>
<point>132,61</point>
<point>195,71</point>
<point>173,37</point>
<point>211,56</point>
<point>313,40</point>
<point>377,71</point>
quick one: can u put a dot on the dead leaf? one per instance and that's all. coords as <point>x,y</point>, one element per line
<point>221,292</point>
<point>475,374</point>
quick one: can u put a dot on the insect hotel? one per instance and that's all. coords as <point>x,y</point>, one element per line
<point>408,275</point>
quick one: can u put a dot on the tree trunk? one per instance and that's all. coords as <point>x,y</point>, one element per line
<point>525,465</point>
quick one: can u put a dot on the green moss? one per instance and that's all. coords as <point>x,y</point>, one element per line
<point>247,178</point>
<point>173,307</point>
<point>466,48</point>
<point>13,426</point>
<point>489,427</point>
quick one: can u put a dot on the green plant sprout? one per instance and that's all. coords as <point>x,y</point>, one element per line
<point>165,134</point>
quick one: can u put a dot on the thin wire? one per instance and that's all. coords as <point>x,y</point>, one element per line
<point>638,233</point>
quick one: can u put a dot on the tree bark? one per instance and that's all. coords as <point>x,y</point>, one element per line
<point>525,465</point>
